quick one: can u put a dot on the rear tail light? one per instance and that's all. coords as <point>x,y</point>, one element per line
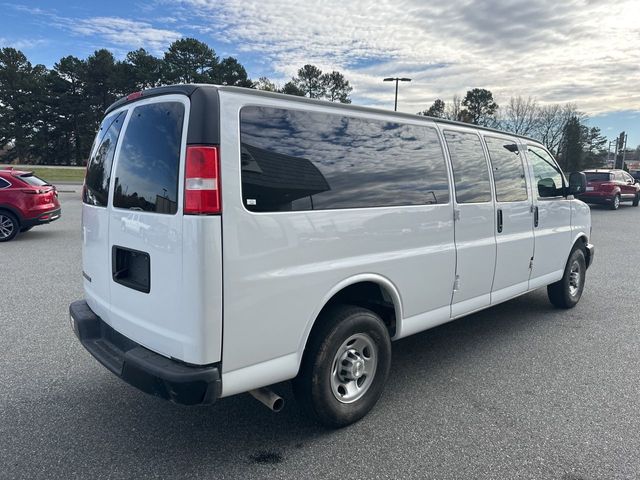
<point>202,181</point>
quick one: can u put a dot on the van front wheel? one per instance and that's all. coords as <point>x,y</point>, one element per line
<point>567,292</point>
<point>345,366</point>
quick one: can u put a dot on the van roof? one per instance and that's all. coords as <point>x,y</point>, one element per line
<point>188,89</point>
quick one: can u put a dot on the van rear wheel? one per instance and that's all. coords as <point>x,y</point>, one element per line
<point>345,366</point>
<point>567,292</point>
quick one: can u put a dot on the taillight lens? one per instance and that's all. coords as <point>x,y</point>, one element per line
<point>202,181</point>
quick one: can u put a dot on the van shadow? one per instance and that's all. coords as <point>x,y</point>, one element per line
<point>97,416</point>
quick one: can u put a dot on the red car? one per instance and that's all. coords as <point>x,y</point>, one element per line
<point>25,201</point>
<point>610,187</point>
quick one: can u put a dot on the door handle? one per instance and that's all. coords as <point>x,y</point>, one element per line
<point>499,220</point>
<point>536,216</point>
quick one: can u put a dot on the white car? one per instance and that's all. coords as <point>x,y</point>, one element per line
<point>305,237</point>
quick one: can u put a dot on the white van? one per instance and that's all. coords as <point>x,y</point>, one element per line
<point>234,238</point>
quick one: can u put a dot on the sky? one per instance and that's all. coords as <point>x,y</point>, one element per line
<point>579,51</point>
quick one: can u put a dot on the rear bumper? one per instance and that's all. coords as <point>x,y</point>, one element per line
<point>142,368</point>
<point>43,218</point>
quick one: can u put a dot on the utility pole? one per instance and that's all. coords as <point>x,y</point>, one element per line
<point>620,146</point>
<point>396,79</point>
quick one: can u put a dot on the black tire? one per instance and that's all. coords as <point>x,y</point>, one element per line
<point>566,293</point>
<point>636,200</point>
<point>25,229</point>
<point>615,202</point>
<point>316,382</point>
<point>9,226</point>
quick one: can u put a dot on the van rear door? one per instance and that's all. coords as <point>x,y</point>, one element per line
<point>165,284</point>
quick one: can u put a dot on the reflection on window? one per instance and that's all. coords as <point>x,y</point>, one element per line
<point>508,172</point>
<point>96,191</point>
<point>300,160</point>
<point>149,159</point>
<point>470,171</point>
<point>547,174</point>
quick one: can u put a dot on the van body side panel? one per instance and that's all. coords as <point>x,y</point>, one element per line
<point>580,220</point>
<point>279,266</point>
<point>201,286</point>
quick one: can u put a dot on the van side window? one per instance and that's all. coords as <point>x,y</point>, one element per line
<point>96,191</point>
<point>547,174</point>
<point>301,160</point>
<point>148,164</point>
<point>508,172</point>
<point>470,170</point>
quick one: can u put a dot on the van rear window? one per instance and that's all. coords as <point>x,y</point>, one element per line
<point>300,160</point>
<point>148,164</point>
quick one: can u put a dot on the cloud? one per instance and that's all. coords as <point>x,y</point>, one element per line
<point>114,31</point>
<point>23,43</point>
<point>121,31</point>
<point>571,51</point>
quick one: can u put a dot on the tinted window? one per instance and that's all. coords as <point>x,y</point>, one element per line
<point>470,171</point>
<point>3,183</point>
<point>598,177</point>
<point>149,159</point>
<point>96,191</point>
<point>299,160</point>
<point>33,180</point>
<point>508,172</point>
<point>547,175</point>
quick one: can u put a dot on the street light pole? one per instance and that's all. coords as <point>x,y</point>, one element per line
<point>396,79</point>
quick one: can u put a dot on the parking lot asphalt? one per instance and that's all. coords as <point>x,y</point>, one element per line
<point>519,391</point>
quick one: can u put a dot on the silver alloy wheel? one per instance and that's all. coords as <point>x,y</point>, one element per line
<point>616,202</point>
<point>574,278</point>
<point>354,367</point>
<point>6,226</point>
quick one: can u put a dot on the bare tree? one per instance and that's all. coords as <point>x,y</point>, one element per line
<point>520,116</point>
<point>453,110</point>
<point>552,120</point>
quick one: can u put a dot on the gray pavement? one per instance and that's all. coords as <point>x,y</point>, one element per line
<point>518,391</point>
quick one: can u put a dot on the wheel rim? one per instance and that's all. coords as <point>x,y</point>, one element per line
<point>574,279</point>
<point>6,226</point>
<point>616,201</point>
<point>354,368</point>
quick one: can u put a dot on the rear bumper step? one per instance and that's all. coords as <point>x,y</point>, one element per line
<point>142,368</point>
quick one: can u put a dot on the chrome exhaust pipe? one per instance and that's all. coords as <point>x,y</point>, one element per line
<point>271,400</point>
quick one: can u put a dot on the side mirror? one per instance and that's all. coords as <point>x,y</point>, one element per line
<point>577,183</point>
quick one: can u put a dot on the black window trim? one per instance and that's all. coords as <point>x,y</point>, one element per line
<point>283,104</point>
<point>485,153</point>
<point>519,143</point>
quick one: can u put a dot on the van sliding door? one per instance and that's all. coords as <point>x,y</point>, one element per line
<point>474,226</point>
